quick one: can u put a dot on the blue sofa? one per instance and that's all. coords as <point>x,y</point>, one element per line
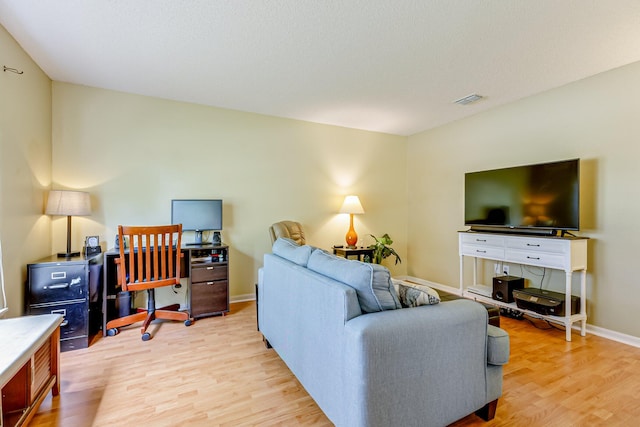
<point>366,361</point>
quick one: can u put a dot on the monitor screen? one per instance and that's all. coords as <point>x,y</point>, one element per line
<point>197,214</point>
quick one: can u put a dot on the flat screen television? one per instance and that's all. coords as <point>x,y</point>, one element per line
<point>197,215</point>
<point>540,198</point>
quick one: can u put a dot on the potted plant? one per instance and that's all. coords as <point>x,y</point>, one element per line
<point>382,249</point>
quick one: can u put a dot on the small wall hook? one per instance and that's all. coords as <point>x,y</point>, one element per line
<point>13,70</point>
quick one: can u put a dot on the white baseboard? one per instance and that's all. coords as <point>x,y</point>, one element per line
<point>434,285</point>
<point>242,298</point>
<point>595,330</point>
<point>613,335</point>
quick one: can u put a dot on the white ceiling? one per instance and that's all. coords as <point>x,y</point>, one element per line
<point>392,66</point>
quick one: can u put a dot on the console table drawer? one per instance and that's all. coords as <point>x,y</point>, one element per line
<point>208,273</point>
<point>483,251</point>
<point>483,240</point>
<point>540,259</point>
<point>538,245</point>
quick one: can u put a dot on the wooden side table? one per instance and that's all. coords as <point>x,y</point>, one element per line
<point>362,253</point>
<point>29,365</point>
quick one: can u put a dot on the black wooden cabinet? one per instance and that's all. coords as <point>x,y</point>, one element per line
<point>62,286</point>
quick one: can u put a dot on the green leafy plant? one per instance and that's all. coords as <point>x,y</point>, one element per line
<point>382,249</point>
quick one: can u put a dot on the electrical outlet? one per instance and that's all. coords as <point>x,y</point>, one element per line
<point>496,269</point>
<point>505,270</point>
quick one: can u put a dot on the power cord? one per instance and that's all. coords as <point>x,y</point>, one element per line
<point>550,325</point>
<point>541,275</point>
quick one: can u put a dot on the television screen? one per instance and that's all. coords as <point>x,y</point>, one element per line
<point>197,215</point>
<point>533,197</point>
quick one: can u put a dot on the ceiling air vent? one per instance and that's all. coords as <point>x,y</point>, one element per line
<point>468,99</point>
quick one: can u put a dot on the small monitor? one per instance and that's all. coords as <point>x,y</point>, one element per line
<point>197,215</point>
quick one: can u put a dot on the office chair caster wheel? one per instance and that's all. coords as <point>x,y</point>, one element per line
<point>112,332</point>
<point>188,322</point>
<point>146,336</point>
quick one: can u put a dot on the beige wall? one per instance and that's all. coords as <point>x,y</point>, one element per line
<point>134,154</point>
<point>25,167</point>
<point>595,119</point>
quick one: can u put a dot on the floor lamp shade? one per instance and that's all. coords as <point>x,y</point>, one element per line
<point>352,206</point>
<point>68,203</point>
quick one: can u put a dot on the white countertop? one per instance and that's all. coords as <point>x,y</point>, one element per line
<point>20,337</point>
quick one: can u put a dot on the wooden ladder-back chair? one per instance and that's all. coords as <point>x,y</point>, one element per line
<point>151,261</point>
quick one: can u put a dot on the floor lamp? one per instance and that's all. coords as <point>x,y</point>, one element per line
<point>351,206</point>
<point>69,203</point>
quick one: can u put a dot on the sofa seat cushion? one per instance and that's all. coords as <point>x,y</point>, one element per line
<point>492,310</point>
<point>497,346</point>
<point>291,251</point>
<point>372,282</point>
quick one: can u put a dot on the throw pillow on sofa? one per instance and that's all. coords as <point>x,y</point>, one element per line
<point>415,295</point>
<point>372,282</point>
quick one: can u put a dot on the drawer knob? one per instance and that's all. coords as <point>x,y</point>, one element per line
<point>209,268</point>
<point>481,252</point>
<point>533,257</point>
<point>535,245</point>
<point>481,240</point>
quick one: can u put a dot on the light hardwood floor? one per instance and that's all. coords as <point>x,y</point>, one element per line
<point>218,372</point>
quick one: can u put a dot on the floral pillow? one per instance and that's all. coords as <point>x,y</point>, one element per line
<point>414,295</point>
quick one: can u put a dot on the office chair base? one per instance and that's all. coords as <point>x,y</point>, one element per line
<point>169,312</point>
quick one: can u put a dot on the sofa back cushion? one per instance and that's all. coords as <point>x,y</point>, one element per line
<point>372,282</point>
<point>291,251</point>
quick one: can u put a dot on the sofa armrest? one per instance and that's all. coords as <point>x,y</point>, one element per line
<point>411,364</point>
<point>497,346</point>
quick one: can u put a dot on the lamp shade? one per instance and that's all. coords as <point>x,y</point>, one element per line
<point>352,205</point>
<point>69,203</point>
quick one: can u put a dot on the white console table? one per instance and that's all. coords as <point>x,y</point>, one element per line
<point>561,253</point>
